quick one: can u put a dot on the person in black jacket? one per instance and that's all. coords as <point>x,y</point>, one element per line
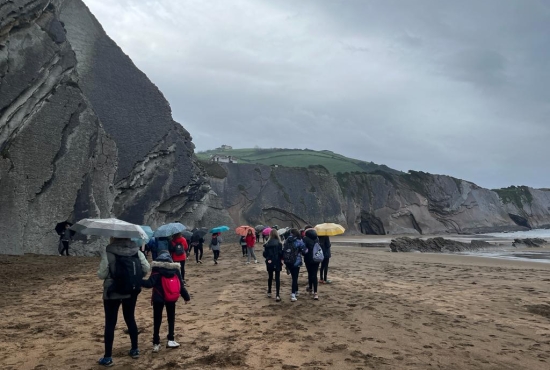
<point>324,241</point>
<point>163,266</point>
<point>310,238</point>
<point>197,243</point>
<point>273,254</point>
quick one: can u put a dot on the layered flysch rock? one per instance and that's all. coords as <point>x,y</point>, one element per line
<point>379,203</point>
<point>84,133</point>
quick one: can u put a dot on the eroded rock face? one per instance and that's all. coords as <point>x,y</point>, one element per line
<point>379,203</point>
<point>84,133</point>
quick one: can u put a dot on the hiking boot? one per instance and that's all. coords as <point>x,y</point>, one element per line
<point>156,348</point>
<point>277,299</point>
<point>172,344</point>
<point>106,361</point>
<point>293,298</point>
<point>315,296</point>
<point>134,353</point>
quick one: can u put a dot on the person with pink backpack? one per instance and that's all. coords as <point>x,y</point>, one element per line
<point>168,286</point>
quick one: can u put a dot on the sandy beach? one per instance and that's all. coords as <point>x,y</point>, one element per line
<point>383,311</point>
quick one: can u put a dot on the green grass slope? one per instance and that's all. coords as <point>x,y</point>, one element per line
<point>298,158</point>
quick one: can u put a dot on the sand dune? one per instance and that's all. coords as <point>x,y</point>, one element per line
<point>384,311</point>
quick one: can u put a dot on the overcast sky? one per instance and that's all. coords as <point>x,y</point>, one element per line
<point>449,87</point>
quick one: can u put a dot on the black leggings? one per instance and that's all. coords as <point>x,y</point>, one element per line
<point>324,269</point>
<point>182,265</point>
<point>111,315</point>
<point>294,272</point>
<point>216,255</point>
<point>277,281</point>
<point>157,319</point>
<point>65,247</point>
<point>197,251</point>
<point>244,249</point>
<point>312,269</point>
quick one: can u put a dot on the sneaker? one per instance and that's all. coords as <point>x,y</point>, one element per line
<point>134,353</point>
<point>200,262</point>
<point>106,361</point>
<point>248,263</point>
<point>308,290</point>
<point>293,298</point>
<point>328,281</point>
<point>172,344</point>
<point>297,293</point>
<point>278,299</point>
<point>156,348</point>
<point>268,295</point>
<point>255,261</point>
<point>315,296</point>
<point>215,262</point>
<point>321,281</point>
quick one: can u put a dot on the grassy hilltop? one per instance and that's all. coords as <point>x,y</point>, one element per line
<point>298,158</point>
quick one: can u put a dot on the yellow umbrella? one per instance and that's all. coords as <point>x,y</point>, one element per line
<point>329,229</point>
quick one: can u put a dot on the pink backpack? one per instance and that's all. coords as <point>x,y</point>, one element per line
<point>171,287</point>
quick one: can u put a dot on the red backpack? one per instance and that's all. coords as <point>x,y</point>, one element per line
<point>171,287</point>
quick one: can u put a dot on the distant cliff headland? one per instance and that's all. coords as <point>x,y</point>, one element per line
<point>84,133</point>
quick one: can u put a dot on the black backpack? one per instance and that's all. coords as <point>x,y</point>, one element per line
<point>178,250</point>
<point>290,253</point>
<point>127,275</point>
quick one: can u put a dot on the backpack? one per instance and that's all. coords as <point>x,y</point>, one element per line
<point>290,253</point>
<point>171,287</point>
<point>178,249</point>
<point>127,276</point>
<point>215,242</point>
<point>318,255</point>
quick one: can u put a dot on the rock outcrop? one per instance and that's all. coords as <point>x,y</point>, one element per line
<point>435,245</point>
<point>377,203</point>
<point>530,242</point>
<point>84,133</point>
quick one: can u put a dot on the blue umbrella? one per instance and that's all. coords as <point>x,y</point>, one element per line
<point>180,227</point>
<point>165,231</point>
<point>149,233</point>
<point>219,229</point>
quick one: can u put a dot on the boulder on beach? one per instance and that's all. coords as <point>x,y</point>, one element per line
<point>530,242</point>
<point>435,245</point>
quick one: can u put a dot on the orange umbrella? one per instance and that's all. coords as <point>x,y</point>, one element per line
<point>243,230</point>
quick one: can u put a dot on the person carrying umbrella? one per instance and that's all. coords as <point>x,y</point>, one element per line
<point>215,246</point>
<point>250,239</point>
<point>178,252</point>
<point>114,272</point>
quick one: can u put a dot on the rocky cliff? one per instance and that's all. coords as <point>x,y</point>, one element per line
<point>379,203</point>
<point>84,133</point>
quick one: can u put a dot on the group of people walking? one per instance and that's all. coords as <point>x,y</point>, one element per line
<point>124,267</point>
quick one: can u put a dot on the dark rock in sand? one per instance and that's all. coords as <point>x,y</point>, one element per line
<point>530,242</point>
<point>435,245</point>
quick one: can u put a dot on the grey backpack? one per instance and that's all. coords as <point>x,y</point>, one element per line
<point>318,252</point>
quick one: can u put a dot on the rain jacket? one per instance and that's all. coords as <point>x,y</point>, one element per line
<point>250,240</point>
<point>325,245</point>
<point>297,243</point>
<point>218,240</point>
<point>181,240</point>
<point>273,250</point>
<point>107,266</point>
<point>163,266</point>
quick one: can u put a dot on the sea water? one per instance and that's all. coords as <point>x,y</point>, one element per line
<point>513,254</point>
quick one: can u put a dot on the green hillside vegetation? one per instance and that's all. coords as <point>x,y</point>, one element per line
<point>333,162</point>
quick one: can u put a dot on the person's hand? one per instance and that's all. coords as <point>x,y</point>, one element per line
<point>268,261</point>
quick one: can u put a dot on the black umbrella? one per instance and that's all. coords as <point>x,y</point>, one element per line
<point>187,234</point>
<point>259,228</point>
<point>199,233</point>
<point>60,228</point>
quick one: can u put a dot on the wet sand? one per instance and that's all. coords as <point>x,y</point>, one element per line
<point>383,311</point>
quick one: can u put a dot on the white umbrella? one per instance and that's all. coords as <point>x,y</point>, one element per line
<point>109,227</point>
<point>283,230</point>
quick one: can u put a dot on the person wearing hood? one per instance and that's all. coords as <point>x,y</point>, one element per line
<point>273,254</point>
<point>293,267</point>
<point>167,285</point>
<point>110,271</point>
<point>310,238</point>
